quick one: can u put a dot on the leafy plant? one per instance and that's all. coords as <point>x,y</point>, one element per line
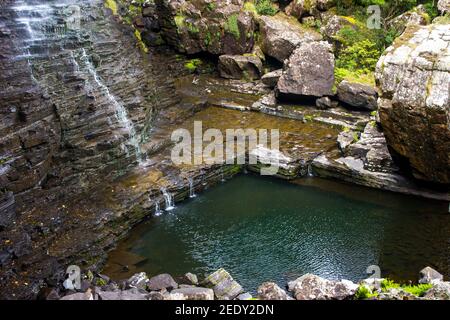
<point>232,26</point>
<point>364,292</point>
<point>418,290</point>
<point>266,7</point>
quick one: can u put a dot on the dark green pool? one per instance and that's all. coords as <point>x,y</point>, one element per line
<point>263,229</point>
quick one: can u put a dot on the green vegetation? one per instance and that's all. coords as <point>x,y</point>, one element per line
<point>364,292</point>
<point>360,47</point>
<point>192,65</point>
<point>265,7</point>
<point>112,5</point>
<point>232,26</point>
<point>138,36</point>
<point>418,290</point>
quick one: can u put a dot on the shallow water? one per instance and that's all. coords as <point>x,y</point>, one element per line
<point>262,229</point>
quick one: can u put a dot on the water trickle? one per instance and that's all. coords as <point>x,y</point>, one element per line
<point>191,188</point>
<point>168,198</point>
<point>222,178</point>
<point>120,111</point>
<point>310,172</point>
<point>158,210</point>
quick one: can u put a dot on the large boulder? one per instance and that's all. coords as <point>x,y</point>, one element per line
<point>439,291</point>
<point>223,284</point>
<point>312,287</point>
<point>280,35</point>
<point>271,291</point>
<point>247,67</point>
<point>309,72</point>
<point>414,81</point>
<point>217,27</point>
<point>162,282</point>
<point>357,95</point>
<point>429,275</point>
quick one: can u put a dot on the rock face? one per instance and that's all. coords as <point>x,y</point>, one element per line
<point>414,79</point>
<point>357,95</point>
<point>309,72</point>
<point>280,35</point>
<point>217,27</point>
<point>312,287</point>
<point>240,67</point>
<point>7,209</point>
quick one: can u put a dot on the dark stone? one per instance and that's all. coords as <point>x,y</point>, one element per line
<point>357,95</point>
<point>240,67</point>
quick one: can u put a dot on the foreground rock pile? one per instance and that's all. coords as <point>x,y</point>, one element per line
<point>221,286</point>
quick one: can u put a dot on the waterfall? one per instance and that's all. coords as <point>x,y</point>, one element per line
<point>120,111</point>
<point>168,198</point>
<point>222,178</point>
<point>158,211</point>
<point>191,188</point>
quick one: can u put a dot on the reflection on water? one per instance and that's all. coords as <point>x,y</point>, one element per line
<point>263,229</point>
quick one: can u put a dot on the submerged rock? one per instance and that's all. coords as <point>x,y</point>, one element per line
<point>223,284</point>
<point>271,291</point>
<point>309,72</point>
<point>312,287</point>
<point>240,67</point>
<point>359,96</point>
<point>414,79</point>
<point>280,36</point>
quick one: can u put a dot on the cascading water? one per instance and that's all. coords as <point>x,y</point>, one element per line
<point>158,210</point>
<point>310,172</point>
<point>120,111</point>
<point>191,188</point>
<point>168,198</point>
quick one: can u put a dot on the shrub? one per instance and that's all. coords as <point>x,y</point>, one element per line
<point>364,292</point>
<point>418,290</point>
<point>266,7</point>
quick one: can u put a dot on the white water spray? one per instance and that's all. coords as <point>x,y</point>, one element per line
<point>168,198</point>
